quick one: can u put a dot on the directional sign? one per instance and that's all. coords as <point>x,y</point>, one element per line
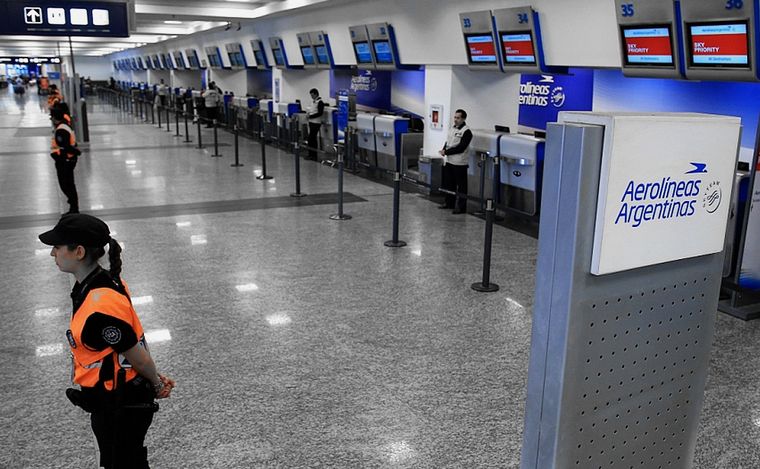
<point>64,18</point>
<point>33,15</point>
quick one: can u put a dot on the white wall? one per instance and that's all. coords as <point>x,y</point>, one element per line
<point>296,84</point>
<point>187,79</point>
<point>438,84</point>
<point>230,80</point>
<point>488,97</point>
<point>97,68</point>
<point>575,32</point>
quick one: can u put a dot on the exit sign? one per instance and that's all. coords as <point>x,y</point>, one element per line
<point>64,18</point>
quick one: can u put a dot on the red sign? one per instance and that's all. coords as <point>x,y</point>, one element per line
<point>518,47</point>
<point>482,48</point>
<point>719,44</point>
<point>648,45</point>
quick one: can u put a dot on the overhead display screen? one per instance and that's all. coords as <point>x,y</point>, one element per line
<point>651,45</point>
<point>179,60</point>
<point>517,48</point>
<point>363,54</point>
<point>308,55</point>
<point>260,59</point>
<point>323,57</point>
<point>279,59</point>
<point>718,44</point>
<point>480,49</point>
<point>383,53</point>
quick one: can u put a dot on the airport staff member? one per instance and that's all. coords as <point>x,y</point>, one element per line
<point>162,93</point>
<point>110,357</point>
<point>54,97</point>
<point>316,110</point>
<point>211,102</point>
<point>454,176</point>
<point>64,151</point>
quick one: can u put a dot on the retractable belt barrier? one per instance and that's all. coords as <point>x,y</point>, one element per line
<point>485,284</point>
<point>339,149</point>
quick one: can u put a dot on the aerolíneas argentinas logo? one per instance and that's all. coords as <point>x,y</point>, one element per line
<point>667,198</point>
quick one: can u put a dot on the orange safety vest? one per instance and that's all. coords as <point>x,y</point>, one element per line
<point>54,148</point>
<point>86,363</point>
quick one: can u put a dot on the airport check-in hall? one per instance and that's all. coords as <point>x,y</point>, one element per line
<point>380,234</point>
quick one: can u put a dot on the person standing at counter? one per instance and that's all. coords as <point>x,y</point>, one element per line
<point>211,103</point>
<point>455,163</point>
<point>316,110</point>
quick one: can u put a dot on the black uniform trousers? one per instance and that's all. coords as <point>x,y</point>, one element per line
<point>454,179</point>
<point>121,431</point>
<point>211,114</point>
<point>64,168</point>
<point>313,139</point>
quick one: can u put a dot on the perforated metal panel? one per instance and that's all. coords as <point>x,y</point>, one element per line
<point>618,362</point>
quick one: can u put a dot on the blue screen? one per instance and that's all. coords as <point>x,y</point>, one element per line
<point>308,55</point>
<point>383,53</point>
<point>322,56</point>
<point>363,54</point>
<point>261,61</point>
<point>279,59</point>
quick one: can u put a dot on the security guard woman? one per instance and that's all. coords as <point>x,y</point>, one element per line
<point>64,151</point>
<point>54,97</point>
<point>110,357</point>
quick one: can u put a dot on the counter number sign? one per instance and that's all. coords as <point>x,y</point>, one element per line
<point>33,15</point>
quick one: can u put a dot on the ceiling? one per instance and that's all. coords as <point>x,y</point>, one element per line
<point>156,21</point>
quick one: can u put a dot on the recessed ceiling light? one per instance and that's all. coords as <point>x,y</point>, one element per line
<point>172,22</point>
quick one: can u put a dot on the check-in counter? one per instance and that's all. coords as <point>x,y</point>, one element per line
<point>365,136</point>
<point>243,109</point>
<point>430,171</point>
<point>283,113</point>
<point>388,132</point>
<point>485,145</point>
<point>522,161</point>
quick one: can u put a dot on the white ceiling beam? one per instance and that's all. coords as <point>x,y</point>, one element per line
<point>224,13</point>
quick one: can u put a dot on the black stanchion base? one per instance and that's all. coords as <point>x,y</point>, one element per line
<point>235,165</point>
<point>216,156</point>
<point>395,244</point>
<point>338,216</point>
<point>298,194</point>
<point>481,287</point>
<point>262,177</point>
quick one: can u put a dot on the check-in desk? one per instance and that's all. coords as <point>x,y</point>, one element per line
<point>186,99</point>
<point>522,161</point>
<point>266,116</point>
<point>243,109</point>
<point>365,136</point>
<point>389,131</point>
<point>198,102</point>
<point>430,172</point>
<point>484,146</point>
<point>284,111</point>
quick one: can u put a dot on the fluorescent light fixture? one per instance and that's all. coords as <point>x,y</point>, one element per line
<point>279,319</point>
<point>49,350</point>
<point>130,162</point>
<point>96,207</point>
<point>142,300</point>
<point>136,172</point>
<point>198,239</point>
<point>172,22</point>
<point>183,224</point>
<point>47,312</point>
<point>247,287</point>
<point>158,335</point>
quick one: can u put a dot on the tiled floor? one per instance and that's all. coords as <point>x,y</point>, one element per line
<point>295,340</point>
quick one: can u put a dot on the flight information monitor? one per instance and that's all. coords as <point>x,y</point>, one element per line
<point>279,59</point>
<point>718,44</point>
<point>480,49</point>
<point>648,45</point>
<point>383,53</point>
<point>363,53</point>
<point>323,57</point>
<point>308,55</point>
<point>259,55</point>
<point>517,48</point>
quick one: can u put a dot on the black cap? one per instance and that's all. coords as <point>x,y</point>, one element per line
<point>78,229</point>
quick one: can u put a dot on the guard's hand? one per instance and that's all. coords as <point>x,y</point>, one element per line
<point>442,152</point>
<point>166,391</point>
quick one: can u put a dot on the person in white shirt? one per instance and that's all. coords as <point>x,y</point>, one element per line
<point>454,176</point>
<point>211,102</point>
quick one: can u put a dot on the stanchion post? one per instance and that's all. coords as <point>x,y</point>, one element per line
<point>176,121</point>
<point>237,148</point>
<point>340,215</point>
<point>158,111</point>
<point>395,243</point>
<point>481,184</point>
<point>200,139</point>
<point>485,285</point>
<point>263,176</point>
<point>168,120</point>
<point>216,141</point>
<point>152,115</point>
<point>187,131</point>
<point>297,193</point>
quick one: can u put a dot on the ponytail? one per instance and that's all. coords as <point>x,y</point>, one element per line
<point>114,260</point>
